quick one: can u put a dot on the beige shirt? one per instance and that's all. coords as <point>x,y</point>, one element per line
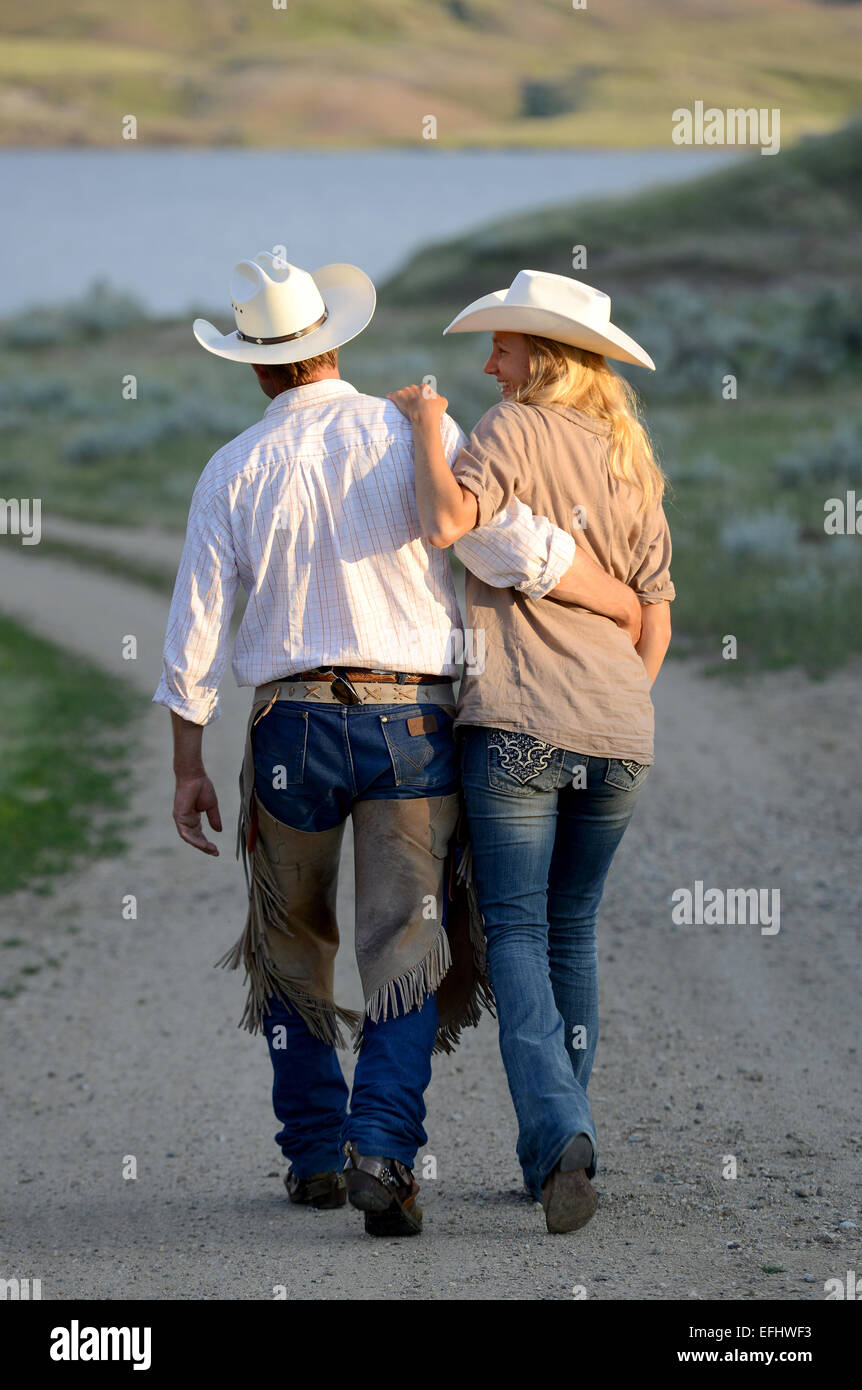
<point>557,671</point>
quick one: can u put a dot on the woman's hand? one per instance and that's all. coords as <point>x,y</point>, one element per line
<point>419,403</point>
<point>655,637</point>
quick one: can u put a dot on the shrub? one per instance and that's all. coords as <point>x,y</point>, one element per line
<point>760,535</point>
<point>823,458</point>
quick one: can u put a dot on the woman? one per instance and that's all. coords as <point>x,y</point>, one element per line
<point>557,729</point>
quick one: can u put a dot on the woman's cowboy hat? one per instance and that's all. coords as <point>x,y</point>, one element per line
<point>552,306</point>
<point>284,314</point>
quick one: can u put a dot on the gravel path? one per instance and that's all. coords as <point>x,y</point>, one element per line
<point>716,1040</point>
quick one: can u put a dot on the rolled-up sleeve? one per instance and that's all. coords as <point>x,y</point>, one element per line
<point>651,579</point>
<point>518,550</point>
<point>197,643</point>
<point>491,462</point>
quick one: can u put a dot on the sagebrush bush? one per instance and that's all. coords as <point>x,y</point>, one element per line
<point>133,433</point>
<point>100,311</point>
<point>824,458</point>
<point>761,535</point>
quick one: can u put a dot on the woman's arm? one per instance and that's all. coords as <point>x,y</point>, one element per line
<point>655,636</point>
<point>447,511</point>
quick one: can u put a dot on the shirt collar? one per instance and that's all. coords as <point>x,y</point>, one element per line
<point>310,394</point>
<point>594,423</point>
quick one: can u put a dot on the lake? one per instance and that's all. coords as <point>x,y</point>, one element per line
<point>169,225</point>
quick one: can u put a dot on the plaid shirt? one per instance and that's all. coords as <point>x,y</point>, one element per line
<point>313,511</point>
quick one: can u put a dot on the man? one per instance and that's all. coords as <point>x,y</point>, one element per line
<point>349,638</point>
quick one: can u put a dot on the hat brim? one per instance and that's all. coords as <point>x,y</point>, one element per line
<point>350,298</point>
<point>491,314</point>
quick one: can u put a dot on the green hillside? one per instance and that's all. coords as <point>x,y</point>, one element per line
<point>755,269</point>
<point>490,71</point>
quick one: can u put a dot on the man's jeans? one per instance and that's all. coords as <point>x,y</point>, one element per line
<point>544,825</point>
<point>347,758</point>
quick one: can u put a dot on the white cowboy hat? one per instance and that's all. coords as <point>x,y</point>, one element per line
<point>284,314</point>
<point>552,306</point>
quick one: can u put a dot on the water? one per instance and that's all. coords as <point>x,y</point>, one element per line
<point>169,225</point>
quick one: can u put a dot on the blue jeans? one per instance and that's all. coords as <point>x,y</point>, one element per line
<point>331,757</point>
<point>310,1095</point>
<point>544,826</point>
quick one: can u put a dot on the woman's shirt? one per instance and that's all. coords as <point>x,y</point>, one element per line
<point>554,670</point>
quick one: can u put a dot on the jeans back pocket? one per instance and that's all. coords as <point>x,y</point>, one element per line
<point>421,746</point>
<point>521,764</point>
<point>626,773</point>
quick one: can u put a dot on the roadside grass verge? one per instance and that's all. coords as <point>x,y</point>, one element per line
<point>65,760</point>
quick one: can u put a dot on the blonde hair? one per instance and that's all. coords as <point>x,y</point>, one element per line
<point>564,375</point>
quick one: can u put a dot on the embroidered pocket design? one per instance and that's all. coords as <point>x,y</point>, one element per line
<point>522,756</point>
<point>626,773</point>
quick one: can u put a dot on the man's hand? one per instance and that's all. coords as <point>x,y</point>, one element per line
<point>195,792</point>
<point>631,621</point>
<point>192,796</point>
<point>419,403</point>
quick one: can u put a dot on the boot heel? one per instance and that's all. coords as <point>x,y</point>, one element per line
<point>365,1192</point>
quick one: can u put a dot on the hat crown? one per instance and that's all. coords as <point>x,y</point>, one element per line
<point>559,294</point>
<point>272,298</point>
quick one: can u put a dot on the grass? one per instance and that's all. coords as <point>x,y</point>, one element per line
<point>108,562</point>
<point>796,607</point>
<point>493,73</point>
<point>65,762</point>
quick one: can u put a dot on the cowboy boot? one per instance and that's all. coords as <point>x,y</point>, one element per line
<point>323,1191</point>
<point>386,1191</point>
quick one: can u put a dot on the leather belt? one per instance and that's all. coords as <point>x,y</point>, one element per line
<point>364,673</point>
<point>372,692</point>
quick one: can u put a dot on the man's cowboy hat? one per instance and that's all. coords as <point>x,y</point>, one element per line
<point>284,314</point>
<point>552,306</point>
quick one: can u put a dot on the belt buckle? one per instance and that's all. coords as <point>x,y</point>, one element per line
<point>343,689</point>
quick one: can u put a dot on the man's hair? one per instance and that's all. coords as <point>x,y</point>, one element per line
<point>290,374</point>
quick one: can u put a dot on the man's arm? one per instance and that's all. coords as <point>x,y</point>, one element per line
<point>529,553</point>
<point>589,586</point>
<point>194,792</point>
<point>195,655</point>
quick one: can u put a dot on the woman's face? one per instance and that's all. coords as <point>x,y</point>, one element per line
<point>509,362</point>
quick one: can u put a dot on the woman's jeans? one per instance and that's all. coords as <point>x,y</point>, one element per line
<point>544,825</point>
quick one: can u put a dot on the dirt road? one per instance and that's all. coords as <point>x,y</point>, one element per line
<point>717,1041</point>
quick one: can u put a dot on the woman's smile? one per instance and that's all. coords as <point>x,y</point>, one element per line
<point>509,362</point>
